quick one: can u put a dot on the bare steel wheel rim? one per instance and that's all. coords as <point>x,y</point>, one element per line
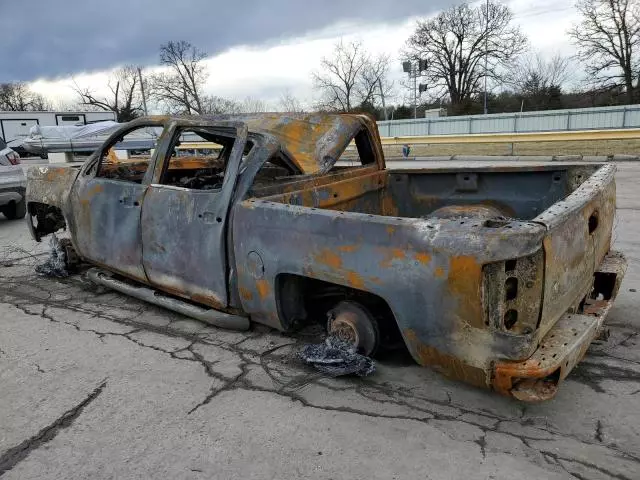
<point>351,322</point>
<point>344,327</point>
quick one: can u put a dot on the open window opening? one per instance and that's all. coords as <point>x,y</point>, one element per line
<point>360,153</point>
<point>128,157</point>
<point>199,158</point>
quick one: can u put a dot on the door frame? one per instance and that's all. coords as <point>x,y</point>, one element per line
<point>81,219</point>
<point>218,297</point>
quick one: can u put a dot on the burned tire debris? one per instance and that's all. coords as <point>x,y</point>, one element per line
<point>335,357</point>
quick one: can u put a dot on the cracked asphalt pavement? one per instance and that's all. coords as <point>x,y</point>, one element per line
<point>94,384</point>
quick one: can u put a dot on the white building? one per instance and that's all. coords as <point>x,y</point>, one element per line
<point>14,126</point>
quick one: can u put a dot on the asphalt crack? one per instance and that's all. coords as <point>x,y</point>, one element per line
<point>482,443</point>
<point>15,455</point>
<point>228,383</point>
<point>381,394</point>
<point>599,435</point>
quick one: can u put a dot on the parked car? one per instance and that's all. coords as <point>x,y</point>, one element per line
<point>500,276</point>
<point>12,184</point>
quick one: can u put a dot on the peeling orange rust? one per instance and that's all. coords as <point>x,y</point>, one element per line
<point>439,272</point>
<point>263,287</point>
<point>54,174</point>
<point>210,300</point>
<point>355,280</point>
<point>245,293</point>
<point>391,254</point>
<point>423,257</point>
<point>329,258</point>
<point>444,363</point>
<point>464,283</point>
<point>303,136</point>
<point>348,248</point>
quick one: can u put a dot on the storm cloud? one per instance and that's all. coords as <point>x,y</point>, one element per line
<point>48,39</point>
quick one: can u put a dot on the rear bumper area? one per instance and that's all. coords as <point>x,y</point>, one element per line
<point>538,377</point>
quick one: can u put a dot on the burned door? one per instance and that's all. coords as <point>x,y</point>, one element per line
<point>107,198</point>
<point>184,216</point>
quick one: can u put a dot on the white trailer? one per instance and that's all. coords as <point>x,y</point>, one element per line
<point>14,126</point>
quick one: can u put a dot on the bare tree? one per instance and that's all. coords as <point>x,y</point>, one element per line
<point>290,104</point>
<point>456,43</point>
<point>179,86</point>
<point>253,105</point>
<point>539,81</point>
<point>124,99</point>
<point>18,97</point>
<point>608,41</point>
<point>349,78</point>
<point>374,81</point>
<point>213,105</point>
<point>62,104</point>
<point>534,73</point>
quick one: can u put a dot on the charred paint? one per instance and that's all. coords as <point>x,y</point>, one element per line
<point>330,259</point>
<point>336,245</point>
<point>245,293</point>
<point>464,283</point>
<point>211,300</point>
<point>446,364</point>
<point>349,248</point>
<point>264,288</point>
<point>355,280</point>
<point>422,257</point>
<point>314,141</point>
<point>389,255</point>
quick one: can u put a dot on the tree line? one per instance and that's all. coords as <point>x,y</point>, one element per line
<point>462,52</point>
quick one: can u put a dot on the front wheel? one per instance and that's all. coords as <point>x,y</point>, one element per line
<point>14,211</point>
<point>353,323</point>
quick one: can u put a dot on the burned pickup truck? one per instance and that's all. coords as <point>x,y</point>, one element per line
<point>500,276</point>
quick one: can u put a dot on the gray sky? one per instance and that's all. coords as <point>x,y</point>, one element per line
<point>47,38</point>
<point>256,48</point>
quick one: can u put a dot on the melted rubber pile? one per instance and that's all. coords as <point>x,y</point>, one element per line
<point>55,265</point>
<point>336,357</point>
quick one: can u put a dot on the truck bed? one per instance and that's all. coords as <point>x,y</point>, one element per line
<point>476,265</point>
<point>519,192</point>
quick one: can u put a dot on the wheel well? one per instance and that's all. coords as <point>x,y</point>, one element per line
<point>49,219</point>
<point>303,300</point>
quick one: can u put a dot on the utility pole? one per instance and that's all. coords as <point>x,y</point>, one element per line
<point>144,99</point>
<point>384,106</point>
<point>486,56</point>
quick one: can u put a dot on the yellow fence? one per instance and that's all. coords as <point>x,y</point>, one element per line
<point>569,136</point>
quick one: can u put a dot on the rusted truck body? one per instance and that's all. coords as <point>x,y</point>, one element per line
<point>500,276</point>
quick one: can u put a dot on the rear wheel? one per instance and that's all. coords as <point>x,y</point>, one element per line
<point>14,210</point>
<point>353,323</point>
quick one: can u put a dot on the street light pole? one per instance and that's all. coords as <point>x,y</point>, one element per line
<point>414,69</point>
